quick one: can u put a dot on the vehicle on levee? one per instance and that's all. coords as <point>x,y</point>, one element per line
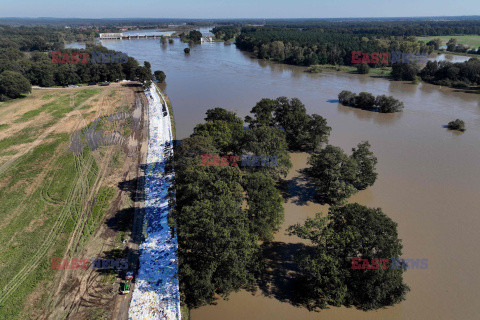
<point>128,282</point>
<point>126,287</point>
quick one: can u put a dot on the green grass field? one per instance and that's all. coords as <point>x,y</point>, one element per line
<point>470,40</point>
<point>43,194</point>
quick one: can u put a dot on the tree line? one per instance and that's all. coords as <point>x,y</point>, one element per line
<point>403,27</point>
<point>25,60</point>
<point>20,70</point>
<point>42,38</point>
<point>224,215</point>
<point>193,36</point>
<point>317,46</point>
<point>458,75</point>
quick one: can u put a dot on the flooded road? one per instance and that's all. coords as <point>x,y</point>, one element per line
<point>429,177</point>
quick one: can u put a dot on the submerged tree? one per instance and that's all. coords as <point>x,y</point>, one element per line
<point>303,131</point>
<point>160,76</point>
<point>347,98</point>
<point>265,210</point>
<point>457,125</point>
<point>366,162</point>
<point>326,269</point>
<point>388,104</point>
<point>363,68</point>
<point>333,173</point>
<point>337,176</point>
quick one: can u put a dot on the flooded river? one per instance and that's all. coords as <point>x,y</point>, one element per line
<point>429,177</point>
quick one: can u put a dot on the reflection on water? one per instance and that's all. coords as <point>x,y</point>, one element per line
<point>429,177</point>
<point>376,117</point>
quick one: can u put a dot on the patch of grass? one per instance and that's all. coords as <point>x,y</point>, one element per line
<point>98,314</point>
<point>57,108</point>
<point>8,153</point>
<point>102,203</point>
<point>381,72</point>
<point>184,311</point>
<point>84,94</point>
<point>314,69</point>
<point>19,139</point>
<point>87,106</point>
<point>116,158</point>
<point>4,126</point>
<point>20,238</point>
<point>43,186</point>
<point>45,204</point>
<point>48,96</point>
<point>26,135</point>
<point>470,40</point>
<point>109,277</point>
<point>61,105</point>
<point>123,108</point>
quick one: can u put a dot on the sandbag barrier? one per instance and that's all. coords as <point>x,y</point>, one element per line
<point>156,294</point>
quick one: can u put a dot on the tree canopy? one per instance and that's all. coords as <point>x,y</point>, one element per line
<point>326,268</point>
<point>160,76</point>
<point>303,131</point>
<point>222,213</point>
<point>337,176</point>
<point>368,101</point>
<point>13,85</point>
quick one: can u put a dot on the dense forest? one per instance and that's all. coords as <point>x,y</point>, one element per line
<point>25,60</point>
<point>319,46</point>
<point>225,216</point>
<point>41,38</point>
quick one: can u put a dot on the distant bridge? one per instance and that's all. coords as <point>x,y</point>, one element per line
<point>121,36</point>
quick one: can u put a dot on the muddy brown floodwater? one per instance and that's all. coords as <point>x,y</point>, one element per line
<point>429,177</point>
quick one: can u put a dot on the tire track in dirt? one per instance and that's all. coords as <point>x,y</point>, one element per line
<point>77,189</point>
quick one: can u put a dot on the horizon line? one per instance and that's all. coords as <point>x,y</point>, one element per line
<point>244,18</point>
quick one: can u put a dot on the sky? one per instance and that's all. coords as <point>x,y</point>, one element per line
<point>208,9</point>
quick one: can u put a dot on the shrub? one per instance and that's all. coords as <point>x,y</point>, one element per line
<point>457,125</point>
<point>347,98</point>
<point>365,100</point>
<point>388,104</point>
<point>314,69</point>
<point>160,76</point>
<point>13,85</point>
<point>363,68</point>
<point>186,50</point>
<point>404,71</point>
